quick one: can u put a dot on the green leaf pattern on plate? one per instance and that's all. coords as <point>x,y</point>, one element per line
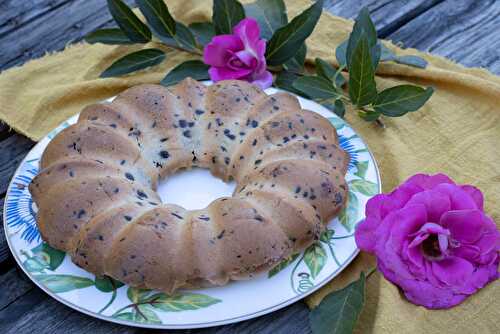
<point>315,258</point>
<point>282,265</point>
<point>145,303</point>
<point>64,283</point>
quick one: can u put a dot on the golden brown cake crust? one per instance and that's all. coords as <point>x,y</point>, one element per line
<point>96,188</point>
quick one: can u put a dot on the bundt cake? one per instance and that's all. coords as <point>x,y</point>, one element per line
<point>96,188</point>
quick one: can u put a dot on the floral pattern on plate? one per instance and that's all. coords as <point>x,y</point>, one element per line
<point>108,299</point>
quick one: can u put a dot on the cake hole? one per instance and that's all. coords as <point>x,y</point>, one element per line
<point>194,189</point>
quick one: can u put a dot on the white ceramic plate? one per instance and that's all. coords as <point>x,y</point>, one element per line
<point>103,298</point>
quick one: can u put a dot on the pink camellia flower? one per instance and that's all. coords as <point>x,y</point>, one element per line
<point>239,56</point>
<point>432,239</point>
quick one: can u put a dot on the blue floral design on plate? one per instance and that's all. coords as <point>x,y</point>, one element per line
<point>19,210</point>
<point>347,146</point>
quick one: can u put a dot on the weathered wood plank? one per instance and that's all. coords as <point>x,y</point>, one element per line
<point>4,248</point>
<point>388,15</point>
<point>15,284</point>
<point>67,22</point>
<point>4,131</point>
<point>15,13</point>
<point>13,150</point>
<point>466,31</point>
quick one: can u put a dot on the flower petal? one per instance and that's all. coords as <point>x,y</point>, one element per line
<point>248,31</point>
<point>429,181</point>
<point>459,198</point>
<point>408,221</point>
<point>365,234</point>
<point>465,225</point>
<point>222,73</point>
<point>453,271</point>
<point>398,198</point>
<point>436,203</point>
<point>216,52</point>
<point>475,194</point>
<point>247,58</point>
<point>264,80</point>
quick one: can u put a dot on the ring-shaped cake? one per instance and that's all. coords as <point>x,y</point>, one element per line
<point>96,188</point>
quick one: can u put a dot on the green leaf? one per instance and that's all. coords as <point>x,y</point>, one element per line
<point>287,39</point>
<point>226,14</point>
<point>143,314</point>
<point>386,53</point>
<point>339,108</point>
<point>389,55</point>
<point>410,60</point>
<point>158,17</point>
<point>376,52</point>
<point>108,36</point>
<point>282,265</point>
<point>127,316</point>
<point>365,187</point>
<point>348,214</point>
<point>195,69</point>
<point>316,87</point>
<point>338,78</point>
<point>296,63</point>
<point>338,311</point>
<point>203,31</point>
<point>285,80</point>
<point>341,53</point>
<point>363,27</point>
<point>146,315</point>
<point>324,69</point>
<point>327,235</point>
<point>362,167</point>
<point>181,302</point>
<point>107,284</point>
<point>137,295</point>
<point>64,283</point>
<point>397,101</point>
<point>183,37</point>
<point>362,87</point>
<point>133,62</point>
<point>270,14</point>
<point>128,22</point>
<point>369,115</point>
<point>53,257</point>
<point>34,265</point>
<point>315,259</point>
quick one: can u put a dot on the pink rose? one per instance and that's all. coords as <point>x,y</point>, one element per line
<point>432,239</point>
<point>239,56</point>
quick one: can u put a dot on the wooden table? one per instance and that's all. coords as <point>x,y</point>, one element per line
<point>466,31</point>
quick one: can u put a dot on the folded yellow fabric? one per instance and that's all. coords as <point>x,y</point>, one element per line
<point>457,132</point>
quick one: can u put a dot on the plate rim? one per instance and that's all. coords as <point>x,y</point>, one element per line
<point>190,325</point>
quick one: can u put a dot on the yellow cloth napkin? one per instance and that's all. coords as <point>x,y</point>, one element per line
<point>457,132</point>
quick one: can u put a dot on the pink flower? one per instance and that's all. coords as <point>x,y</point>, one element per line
<point>239,56</point>
<point>432,239</point>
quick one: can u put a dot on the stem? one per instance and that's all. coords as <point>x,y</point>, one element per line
<point>196,51</point>
<point>123,309</point>
<point>333,254</point>
<point>371,271</point>
<point>343,237</point>
<point>113,296</point>
<point>136,307</point>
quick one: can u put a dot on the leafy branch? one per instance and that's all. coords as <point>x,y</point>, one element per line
<point>359,57</point>
<point>351,85</point>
